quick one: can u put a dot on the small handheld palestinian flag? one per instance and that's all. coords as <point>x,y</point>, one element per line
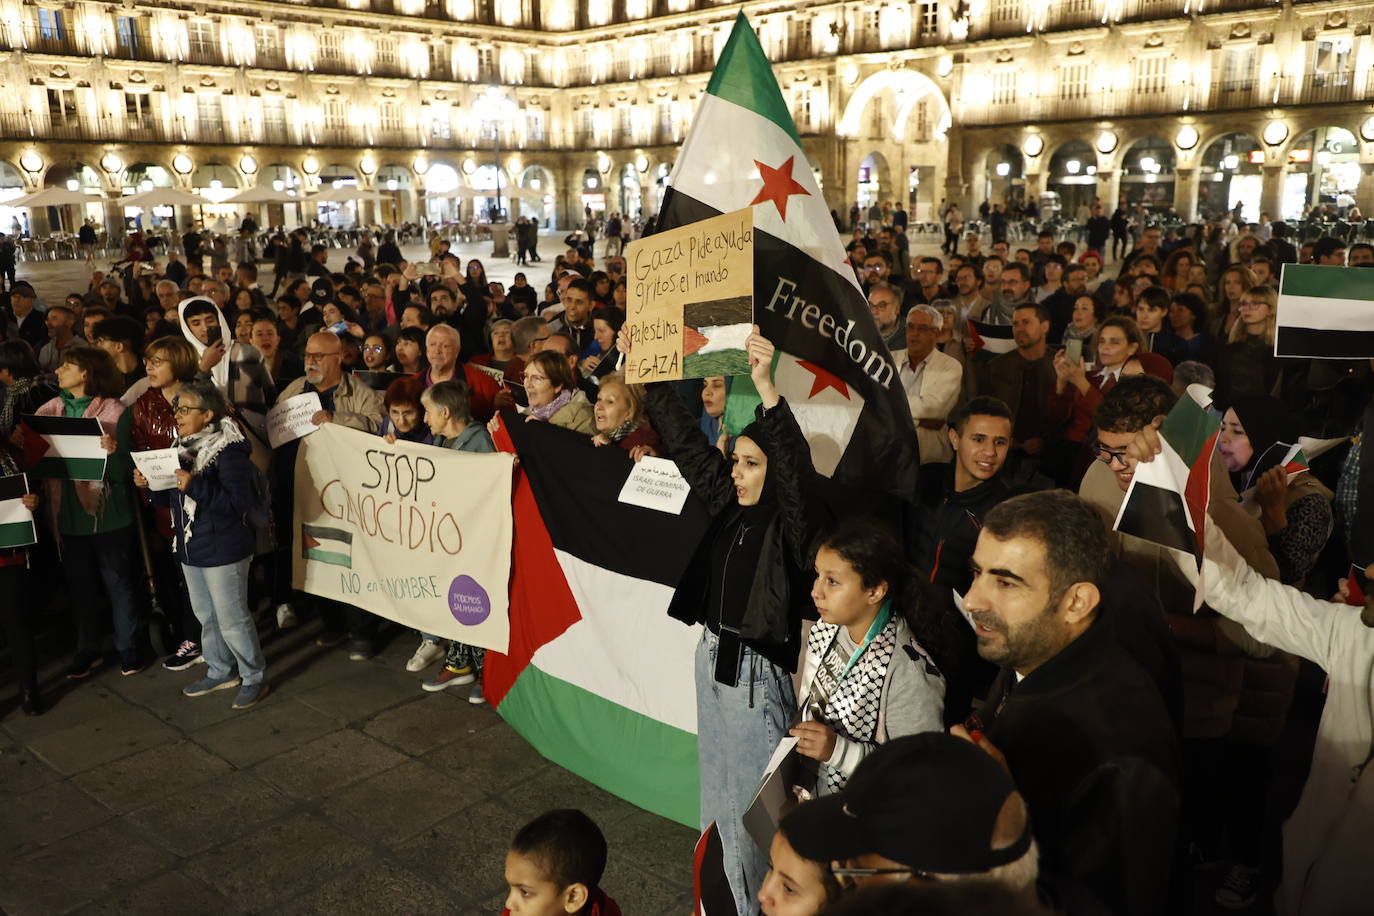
<point>64,447</point>
<point>16,521</point>
<point>992,338</point>
<point>1325,312</point>
<point>710,882</point>
<point>1294,459</point>
<point>1354,594</point>
<point>1166,502</point>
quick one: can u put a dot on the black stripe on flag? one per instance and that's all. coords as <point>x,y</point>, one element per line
<point>331,534</point>
<point>884,441</point>
<point>62,426</point>
<point>1157,515</point>
<point>1326,344</point>
<point>577,488</point>
<point>13,486</point>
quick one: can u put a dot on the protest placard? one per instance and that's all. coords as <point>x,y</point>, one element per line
<point>418,534</point>
<point>1325,312</point>
<point>690,300</point>
<point>291,419</point>
<point>16,521</point>
<point>159,466</point>
<point>656,483</point>
<point>65,447</point>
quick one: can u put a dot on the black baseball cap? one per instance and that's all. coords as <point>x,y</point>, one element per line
<point>929,801</point>
<point>321,291</point>
<point>24,288</point>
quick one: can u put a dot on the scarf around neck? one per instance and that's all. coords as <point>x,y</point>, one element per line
<point>197,452</point>
<point>545,411</point>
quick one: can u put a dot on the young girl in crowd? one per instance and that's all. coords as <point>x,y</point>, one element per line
<point>410,352</point>
<point>795,886</point>
<point>867,677</point>
<point>748,582</point>
<point>376,353</point>
<point>94,518</point>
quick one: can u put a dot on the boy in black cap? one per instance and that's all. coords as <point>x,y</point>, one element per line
<point>927,807</point>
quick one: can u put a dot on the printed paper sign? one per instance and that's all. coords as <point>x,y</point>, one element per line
<point>418,534</point>
<point>656,483</point>
<point>291,418</point>
<point>159,465</point>
<point>690,300</point>
<point>16,521</point>
<point>766,809</point>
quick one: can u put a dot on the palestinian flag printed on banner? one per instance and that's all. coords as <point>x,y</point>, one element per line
<point>1166,502</point>
<point>599,679</point>
<point>16,521</point>
<point>64,447</point>
<point>327,545</point>
<point>835,370</point>
<point>1325,312</point>
<point>994,338</point>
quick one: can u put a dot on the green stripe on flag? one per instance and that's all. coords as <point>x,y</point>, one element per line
<point>70,468</point>
<point>744,76</point>
<point>328,556</point>
<point>1327,282</point>
<point>17,534</point>
<point>648,763</point>
<point>1187,429</point>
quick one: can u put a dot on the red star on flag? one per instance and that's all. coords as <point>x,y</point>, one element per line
<point>824,379</point>
<point>778,185</point>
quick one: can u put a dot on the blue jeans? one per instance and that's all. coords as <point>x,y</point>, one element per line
<point>228,636</point>
<point>738,729</point>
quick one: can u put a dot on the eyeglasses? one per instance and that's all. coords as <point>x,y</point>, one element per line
<point>154,361</point>
<point>870,872</point>
<point>1108,455</point>
<point>317,357</point>
<point>182,410</point>
<point>374,349</point>
<point>530,377</point>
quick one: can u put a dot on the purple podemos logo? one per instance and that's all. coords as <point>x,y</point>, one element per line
<point>468,601</point>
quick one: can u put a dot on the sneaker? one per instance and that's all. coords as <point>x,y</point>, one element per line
<point>1239,888</point>
<point>329,638</point>
<point>449,677</point>
<point>475,696</point>
<point>131,664</point>
<point>249,694</point>
<point>209,684</point>
<point>286,617</point>
<point>186,655</point>
<point>428,653</point>
<point>359,650</point>
<point>84,666</point>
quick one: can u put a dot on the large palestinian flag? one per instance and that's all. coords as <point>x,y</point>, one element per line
<point>834,369</point>
<point>1325,312</point>
<point>1166,502</point>
<point>598,678</point>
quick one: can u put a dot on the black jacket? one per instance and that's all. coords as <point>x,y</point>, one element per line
<point>781,592</point>
<point>1092,749</point>
<point>949,525</point>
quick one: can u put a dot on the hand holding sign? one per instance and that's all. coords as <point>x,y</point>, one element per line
<point>293,418</point>
<point>157,467</point>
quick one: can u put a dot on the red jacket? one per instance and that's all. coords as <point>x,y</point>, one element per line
<point>482,390</point>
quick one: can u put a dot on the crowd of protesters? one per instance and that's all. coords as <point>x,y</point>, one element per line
<point>1004,698</point>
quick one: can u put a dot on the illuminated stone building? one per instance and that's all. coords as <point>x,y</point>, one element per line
<point>1203,103</point>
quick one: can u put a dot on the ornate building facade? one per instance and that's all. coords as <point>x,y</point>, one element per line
<point>580,106</point>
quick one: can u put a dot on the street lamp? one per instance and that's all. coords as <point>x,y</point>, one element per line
<point>494,106</point>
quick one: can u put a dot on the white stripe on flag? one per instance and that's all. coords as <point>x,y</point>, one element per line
<point>625,648</point>
<point>14,510</point>
<point>60,446</point>
<point>732,180</point>
<point>1326,314</point>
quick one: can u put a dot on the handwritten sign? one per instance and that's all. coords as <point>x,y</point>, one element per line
<point>159,466</point>
<point>291,418</point>
<point>690,300</point>
<point>656,483</point>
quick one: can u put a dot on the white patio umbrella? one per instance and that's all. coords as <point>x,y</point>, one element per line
<point>53,197</point>
<point>340,194</point>
<point>465,193</point>
<point>261,195</point>
<point>164,197</point>
<point>523,193</point>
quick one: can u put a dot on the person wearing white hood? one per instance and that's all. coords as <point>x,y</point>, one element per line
<point>237,369</point>
<point>1327,840</point>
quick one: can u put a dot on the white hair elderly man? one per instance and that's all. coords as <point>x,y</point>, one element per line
<point>932,381</point>
<point>443,348</point>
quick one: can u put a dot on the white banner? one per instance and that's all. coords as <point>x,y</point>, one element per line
<point>418,534</point>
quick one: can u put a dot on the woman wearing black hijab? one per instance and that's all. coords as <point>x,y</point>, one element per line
<point>749,582</point>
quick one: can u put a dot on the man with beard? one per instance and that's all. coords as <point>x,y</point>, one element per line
<point>884,303</point>
<point>1023,378</point>
<point>1086,735</point>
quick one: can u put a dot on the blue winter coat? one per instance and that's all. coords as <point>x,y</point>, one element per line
<point>222,491</point>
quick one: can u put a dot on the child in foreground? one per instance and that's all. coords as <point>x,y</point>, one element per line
<point>554,868</point>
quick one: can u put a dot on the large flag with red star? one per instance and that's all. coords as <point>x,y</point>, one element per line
<point>834,368</point>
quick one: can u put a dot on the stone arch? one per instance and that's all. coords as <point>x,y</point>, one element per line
<point>873,182</point>
<point>1227,174</point>
<point>1147,170</point>
<point>907,87</point>
<point>395,186</point>
<point>1329,156</point>
<point>543,209</point>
